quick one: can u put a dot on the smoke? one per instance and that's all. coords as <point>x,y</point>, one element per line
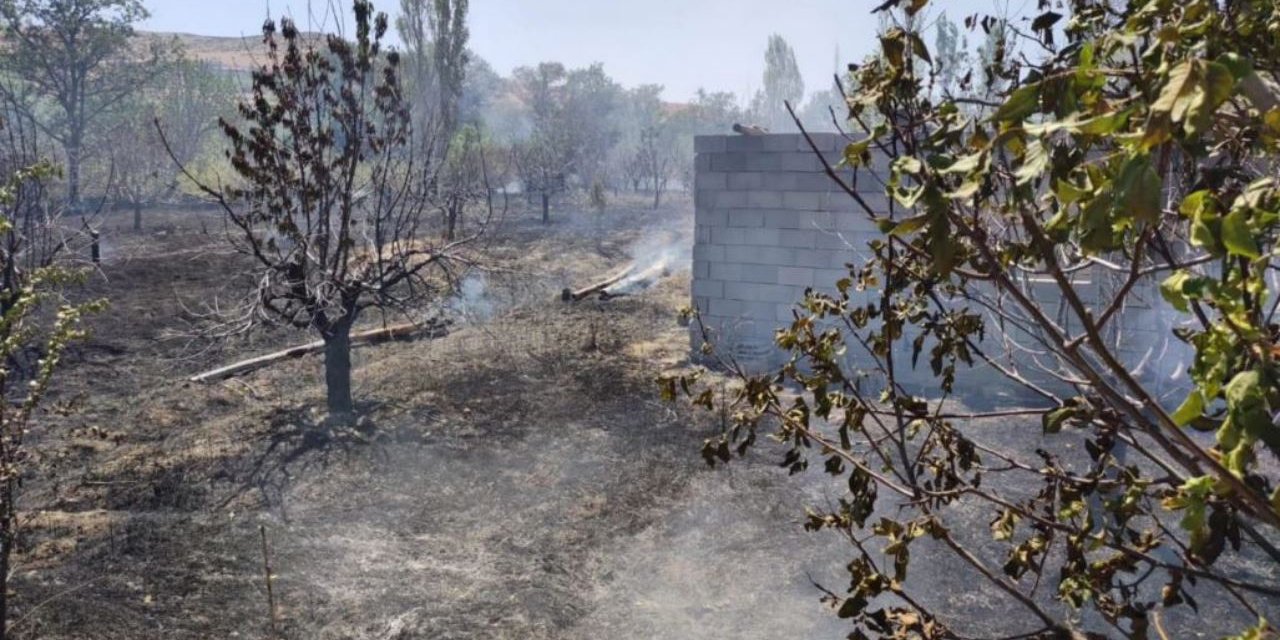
<point>473,301</point>
<point>656,256</point>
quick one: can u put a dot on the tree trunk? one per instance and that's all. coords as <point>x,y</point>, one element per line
<point>337,369</point>
<point>546,208</point>
<point>657,198</point>
<point>73,176</point>
<point>8,535</point>
<point>137,216</point>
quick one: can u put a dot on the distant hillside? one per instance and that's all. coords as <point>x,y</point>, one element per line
<point>232,53</point>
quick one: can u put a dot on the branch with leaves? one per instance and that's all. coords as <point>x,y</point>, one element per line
<point>1138,152</point>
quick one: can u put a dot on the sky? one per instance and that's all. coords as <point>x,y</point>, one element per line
<point>680,44</point>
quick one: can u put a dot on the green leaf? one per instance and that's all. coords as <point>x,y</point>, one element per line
<point>1140,189</point>
<point>1034,162</point>
<point>1239,65</point>
<point>968,164</point>
<point>908,165</point>
<point>1177,89</point>
<point>918,47</point>
<point>1023,102</point>
<point>1236,235</point>
<point>908,226</point>
<point>1190,409</point>
<point>1052,421</point>
<point>855,153</point>
<point>1217,86</point>
<point>1171,290</point>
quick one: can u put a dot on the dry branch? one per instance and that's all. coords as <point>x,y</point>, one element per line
<point>432,329</point>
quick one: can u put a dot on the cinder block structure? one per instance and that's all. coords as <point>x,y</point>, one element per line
<point>770,223</point>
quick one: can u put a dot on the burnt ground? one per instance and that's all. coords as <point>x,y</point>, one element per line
<point>521,479</point>
<point>518,478</point>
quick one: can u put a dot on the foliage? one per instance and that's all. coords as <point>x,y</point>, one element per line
<point>449,52</point>
<point>1140,149</point>
<point>782,84</point>
<point>70,63</point>
<point>187,100</point>
<point>25,290</point>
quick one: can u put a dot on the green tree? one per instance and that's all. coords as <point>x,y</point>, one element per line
<point>545,157</point>
<point>69,63</point>
<point>187,101</point>
<point>782,84</point>
<point>1141,151</point>
<point>449,52</point>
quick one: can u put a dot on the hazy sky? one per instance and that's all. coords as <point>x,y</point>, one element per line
<point>681,44</point>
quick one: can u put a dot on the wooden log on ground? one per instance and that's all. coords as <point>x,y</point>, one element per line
<point>406,331</point>
<point>637,281</point>
<point>574,295</point>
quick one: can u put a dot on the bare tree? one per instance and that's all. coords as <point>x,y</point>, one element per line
<point>332,206</point>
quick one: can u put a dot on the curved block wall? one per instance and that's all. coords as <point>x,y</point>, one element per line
<point>770,223</point>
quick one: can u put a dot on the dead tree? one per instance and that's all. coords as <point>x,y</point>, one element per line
<point>331,203</point>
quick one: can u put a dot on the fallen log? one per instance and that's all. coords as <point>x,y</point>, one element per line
<point>574,295</point>
<point>406,331</point>
<point>636,282</point>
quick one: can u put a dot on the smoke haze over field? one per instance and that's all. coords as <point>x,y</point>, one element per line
<point>713,44</point>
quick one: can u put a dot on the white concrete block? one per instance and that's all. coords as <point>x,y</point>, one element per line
<point>764,199</point>
<point>746,181</point>
<point>796,276</point>
<point>729,162</point>
<point>726,271</point>
<point>728,236</point>
<point>711,217</point>
<point>704,287</point>
<point>797,238</point>
<point>729,199</point>
<point>706,144</point>
<point>708,253</point>
<point>701,269</point>
<point>762,237</point>
<point>745,144</point>
<point>781,219</point>
<point>777,256</point>
<point>746,218</point>
<point>759,273</point>
<point>707,180</point>
<point>803,200</point>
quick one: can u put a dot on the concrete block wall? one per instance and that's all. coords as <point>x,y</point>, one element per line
<point>770,223</point>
